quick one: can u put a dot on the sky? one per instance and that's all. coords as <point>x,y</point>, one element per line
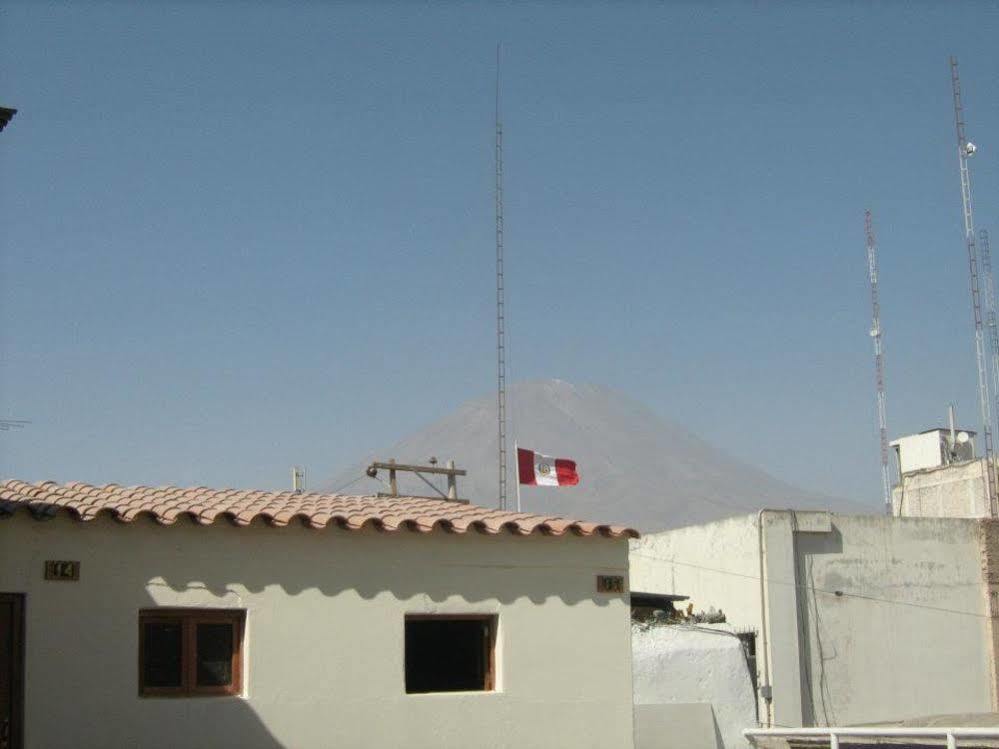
<point>240,236</point>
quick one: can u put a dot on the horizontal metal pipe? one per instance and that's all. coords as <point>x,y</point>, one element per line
<point>887,732</point>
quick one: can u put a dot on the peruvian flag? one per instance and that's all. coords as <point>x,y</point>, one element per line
<point>535,469</point>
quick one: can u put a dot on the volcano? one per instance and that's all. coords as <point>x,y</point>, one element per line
<point>636,468</point>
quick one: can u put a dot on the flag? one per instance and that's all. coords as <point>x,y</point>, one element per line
<point>535,469</point>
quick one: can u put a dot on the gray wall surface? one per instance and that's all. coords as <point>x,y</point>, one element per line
<point>867,618</point>
<point>690,726</point>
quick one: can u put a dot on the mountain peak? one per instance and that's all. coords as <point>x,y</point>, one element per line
<point>635,467</point>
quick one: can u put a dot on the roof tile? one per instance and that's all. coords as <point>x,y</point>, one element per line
<point>242,507</point>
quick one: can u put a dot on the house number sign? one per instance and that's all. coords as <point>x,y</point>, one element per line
<point>610,584</point>
<point>56,569</point>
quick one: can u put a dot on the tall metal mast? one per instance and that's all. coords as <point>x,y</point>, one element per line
<point>964,150</point>
<point>991,317</point>
<point>879,359</point>
<point>500,302</point>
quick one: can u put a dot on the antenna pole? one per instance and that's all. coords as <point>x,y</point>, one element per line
<point>991,316</point>
<point>297,479</point>
<point>964,150</point>
<point>500,301</point>
<point>953,427</point>
<point>879,359</point>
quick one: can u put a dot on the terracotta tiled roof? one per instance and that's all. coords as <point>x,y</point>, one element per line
<point>167,503</point>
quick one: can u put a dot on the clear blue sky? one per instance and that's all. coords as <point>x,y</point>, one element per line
<point>240,236</point>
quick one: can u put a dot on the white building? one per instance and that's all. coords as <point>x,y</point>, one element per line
<point>859,619</point>
<point>934,448</point>
<point>939,476</point>
<point>693,687</point>
<point>169,618</point>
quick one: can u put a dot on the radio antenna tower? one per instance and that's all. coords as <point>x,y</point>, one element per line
<point>965,149</point>
<point>879,359</point>
<point>991,316</point>
<point>500,301</point>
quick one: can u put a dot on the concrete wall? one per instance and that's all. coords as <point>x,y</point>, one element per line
<point>954,491</point>
<point>909,636</point>
<point>717,565</point>
<point>324,635</point>
<point>682,670</point>
<point>868,618</point>
<point>676,724</point>
<point>714,564</point>
<point>988,534</point>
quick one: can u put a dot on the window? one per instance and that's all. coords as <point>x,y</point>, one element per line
<point>190,652</point>
<point>450,653</point>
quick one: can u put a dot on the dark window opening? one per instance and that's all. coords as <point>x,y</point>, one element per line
<point>748,640</point>
<point>214,656</point>
<point>449,653</point>
<point>190,652</point>
<point>161,663</point>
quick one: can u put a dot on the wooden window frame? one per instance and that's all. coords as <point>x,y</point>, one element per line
<point>15,735</point>
<point>189,619</point>
<point>489,644</point>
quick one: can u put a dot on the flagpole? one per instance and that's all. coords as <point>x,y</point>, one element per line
<point>516,458</point>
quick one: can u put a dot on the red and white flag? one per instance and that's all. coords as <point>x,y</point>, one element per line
<point>535,469</point>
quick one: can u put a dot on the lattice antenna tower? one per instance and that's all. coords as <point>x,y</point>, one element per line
<point>991,317</point>
<point>500,299</point>
<point>879,359</point>
<point>965,149</point>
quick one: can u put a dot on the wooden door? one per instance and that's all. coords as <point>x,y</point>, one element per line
<point>11,670</point>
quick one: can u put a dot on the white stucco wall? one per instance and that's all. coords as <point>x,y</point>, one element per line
<point>715,564</point>
<point>906,637</point>
<point>324,635</point>
<point>953,491</point>
<point>680,666</point>
<point>918,451</point>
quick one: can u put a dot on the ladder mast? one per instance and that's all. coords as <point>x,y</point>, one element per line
<point>500,300</point>
<point>964,150</point>
<point>879,362</point>
<point>990,320</point>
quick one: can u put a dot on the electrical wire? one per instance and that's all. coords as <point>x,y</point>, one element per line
<point>363,476</point>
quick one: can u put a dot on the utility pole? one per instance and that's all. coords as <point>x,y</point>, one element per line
<point>393,469</point>
<point>965,149</point>
<point>500,300</point>
<point>879,359</point>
